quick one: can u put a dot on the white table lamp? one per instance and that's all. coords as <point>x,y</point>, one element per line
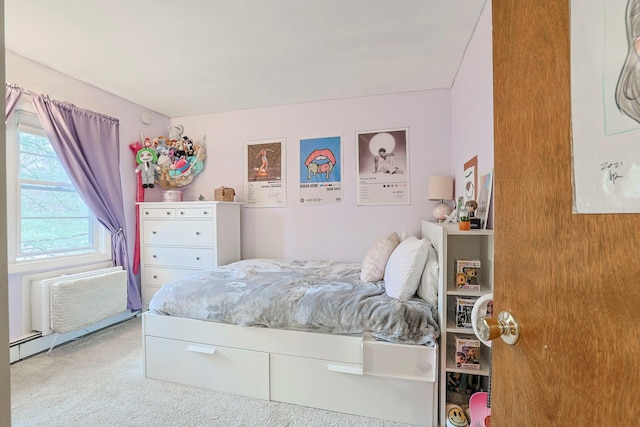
<point>441,188</point>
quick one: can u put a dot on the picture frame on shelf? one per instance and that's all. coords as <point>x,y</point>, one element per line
<point>484,197</point>
<point>471,179</point>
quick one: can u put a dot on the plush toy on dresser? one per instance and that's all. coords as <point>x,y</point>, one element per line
<point>147,159</point>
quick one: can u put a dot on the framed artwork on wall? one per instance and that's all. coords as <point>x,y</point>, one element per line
<point>320,171</point>
<point>264,173</point>
<point>383,167</point>
<point>471,179</point>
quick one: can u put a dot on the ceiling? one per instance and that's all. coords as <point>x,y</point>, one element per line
<point>190,57</point>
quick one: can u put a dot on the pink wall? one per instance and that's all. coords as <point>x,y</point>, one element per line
<point>342,232</point>
<point>472,102</point>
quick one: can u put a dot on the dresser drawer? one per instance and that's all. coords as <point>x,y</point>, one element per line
<point>212,367</point>
<point>147,294</point>
<point>194,213</point>
<point>197,258</point>
<point>157,213</point>
<point>178,233</point>
<point>415,362</point>
<point>153,278</point>
<point>158,276</point>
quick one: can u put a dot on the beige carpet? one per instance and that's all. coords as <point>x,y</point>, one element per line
<point>97,381</point>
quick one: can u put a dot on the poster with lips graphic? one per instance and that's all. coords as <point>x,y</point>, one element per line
<point>320,177</point>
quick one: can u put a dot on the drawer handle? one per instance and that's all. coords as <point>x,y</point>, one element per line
<point>181,213</point>
<point>205,213</point>
<point>154,232</point>
<point>201,349</point>
<point>197,233</point>
<point>168,212</point>
<point>146,212</point>
<point>155,277</point>
<point>425,366</point>
<point>353,370</point>
<point>154,256</point>
<point>197,258</point>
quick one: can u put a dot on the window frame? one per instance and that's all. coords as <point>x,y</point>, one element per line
<point>102,237</point>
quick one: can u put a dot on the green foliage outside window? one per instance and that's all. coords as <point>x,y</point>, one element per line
<point>54,220</point>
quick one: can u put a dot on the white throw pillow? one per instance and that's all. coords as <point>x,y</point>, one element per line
<point>404,268</point>
<point>375,261</point>
<point>428,289</point>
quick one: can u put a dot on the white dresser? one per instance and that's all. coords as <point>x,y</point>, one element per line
<point>177,239</point>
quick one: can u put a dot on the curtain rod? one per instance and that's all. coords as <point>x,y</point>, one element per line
<point>24,91</point>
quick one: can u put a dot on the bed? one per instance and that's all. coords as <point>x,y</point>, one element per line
<point>312,333</point>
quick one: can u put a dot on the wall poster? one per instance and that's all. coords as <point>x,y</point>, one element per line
<point>264,173</point>
<point>383,167</point>
<point>605,77</point>
<point>320,171</point>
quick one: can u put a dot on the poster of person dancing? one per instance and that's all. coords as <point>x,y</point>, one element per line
<point>264,165</point>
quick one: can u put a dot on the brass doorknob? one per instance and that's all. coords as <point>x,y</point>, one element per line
<point>505,326</point>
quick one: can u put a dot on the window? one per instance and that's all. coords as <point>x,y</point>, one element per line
<point>50,221</point>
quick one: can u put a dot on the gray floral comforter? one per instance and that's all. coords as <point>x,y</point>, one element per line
<point>316,296</point>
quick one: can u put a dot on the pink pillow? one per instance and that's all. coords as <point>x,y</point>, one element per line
<point>375,261</point>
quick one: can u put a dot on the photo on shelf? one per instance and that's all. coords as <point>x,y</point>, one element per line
<point>484,197</point>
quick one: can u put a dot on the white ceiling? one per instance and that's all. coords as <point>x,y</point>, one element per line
<point>189,57</point>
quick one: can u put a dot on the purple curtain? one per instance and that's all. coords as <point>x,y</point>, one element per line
<point>12,97</point>
<point>88,146</point>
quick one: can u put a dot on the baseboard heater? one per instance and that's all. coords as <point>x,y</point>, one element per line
<point>73,301</point>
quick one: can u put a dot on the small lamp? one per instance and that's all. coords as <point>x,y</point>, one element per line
<point>441,188</point>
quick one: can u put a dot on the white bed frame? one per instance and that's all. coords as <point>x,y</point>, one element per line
<point>350,374</point>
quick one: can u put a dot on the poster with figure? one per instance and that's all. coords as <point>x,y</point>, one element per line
<point>605,105</point>
<point>264,173</point>
<point>383,167</point>
<point>320,176</point>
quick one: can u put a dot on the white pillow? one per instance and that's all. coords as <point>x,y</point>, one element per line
<point>404,268</point>
<point>375,261</point>
<point>428,288</point>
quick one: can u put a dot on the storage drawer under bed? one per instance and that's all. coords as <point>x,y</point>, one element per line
<point>415,362</point>
<point>343,387</point>
<point>212,367</point>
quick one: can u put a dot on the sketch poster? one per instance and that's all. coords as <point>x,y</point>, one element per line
<point>265,182</point>
<point>383,167</point>
<point>605,77</point>
<point>320,176</point>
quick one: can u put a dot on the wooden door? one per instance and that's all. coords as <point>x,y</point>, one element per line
<point>572,281</point>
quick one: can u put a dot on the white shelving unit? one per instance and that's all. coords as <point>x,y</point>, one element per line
<point>451,244</point>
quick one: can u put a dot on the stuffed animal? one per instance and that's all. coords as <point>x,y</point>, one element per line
<point>179,152</point>
<point>147,159</point>
<point>188,146</point>
<point>175,132</point>
<point>163,156</point>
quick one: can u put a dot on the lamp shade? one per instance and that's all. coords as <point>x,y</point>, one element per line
<point>441,188</point>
